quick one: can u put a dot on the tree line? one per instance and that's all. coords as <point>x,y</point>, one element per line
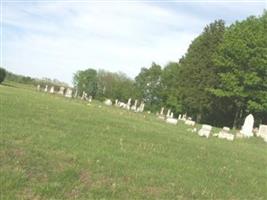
<point>221,78</point>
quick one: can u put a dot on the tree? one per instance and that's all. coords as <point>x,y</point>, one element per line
<point>198,72</point>
<point>2,74</point>
<point>114,86</point>
<point>86,81</point>
<point>170,87</point>
<point>148,85</point>
<point>242,63</point>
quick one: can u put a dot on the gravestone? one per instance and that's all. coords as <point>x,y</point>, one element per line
<point>183,117</point>
<point>168,113</point>
<point>180,117</point>
<point>171,115</point>
<point>247,128</point>
<point>224,134</point>
<point>205,130</point>
<point>38,87</point>
<point>61,90</point>
<point>68,93</point>
<point>108,102</point>
<point>190,122</point>
<point>52,90</point>
<point>134,107</point>
<point>90,98</point>
<point>129,104</point>
<point>263,131</point>
<point>162,111</point>
<point>141,107</point>
<point>171,121</point>
<point>46,88</point>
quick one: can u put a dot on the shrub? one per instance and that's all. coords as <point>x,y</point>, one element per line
<point>2,74</point>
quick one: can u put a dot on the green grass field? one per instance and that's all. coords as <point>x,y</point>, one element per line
<point>58,148</point>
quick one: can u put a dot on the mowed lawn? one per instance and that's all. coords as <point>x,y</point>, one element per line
<point>58,148</point>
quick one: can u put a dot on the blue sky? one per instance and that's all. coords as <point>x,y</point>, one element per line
<point>55,38</point>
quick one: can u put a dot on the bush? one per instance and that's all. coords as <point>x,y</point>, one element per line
<point>2,74</point>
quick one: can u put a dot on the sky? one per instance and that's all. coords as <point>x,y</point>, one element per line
<point>55,38</point>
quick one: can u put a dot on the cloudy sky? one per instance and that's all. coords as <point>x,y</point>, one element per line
<point>55,38</point>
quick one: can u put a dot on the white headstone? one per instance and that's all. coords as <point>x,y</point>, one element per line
<point>108,102</point>
<point>205,130</point>
<point>52,90</point>
<point>171,121</point>
<point>168,113</point>
<point>162,111</point>
<point>61,90</point>
<point>190,122</point>
<point>129,104</point>
<point>224,134</point>
<point>180,117</point>
<point>68,93</point>
<point>171,115</point>
<point>90,98</point>
<point>247,128</point>
<point>263,131</point>
<point>46,88</point>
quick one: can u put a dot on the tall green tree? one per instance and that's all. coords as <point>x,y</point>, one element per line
<point>242,63</point>
<point>170,87</point>
<point>198,73</point>
<point>86,81</point>
<point>149,87</point>
<point>114,86</point>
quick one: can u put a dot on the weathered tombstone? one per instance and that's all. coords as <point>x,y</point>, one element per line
<point>90,98</point>
<point>184,117</point>
<point>84,96</point>
<point>263,131</point>
<point>38,87</point>
<point>142,107</point>
<point>168,113</point>
<point>180,117</point>
<point>52,89</point>
<point>171,121</point>
<point>116,102</point>
<point>46,88</point>
<point>61,90</point>
<point>162,111</point>
<point>134,107</point>
<point>205,130</point>
<point>108,102</point>
<point>122,105</point>
<point>224,134</point>
<point>68,93</point>
<point>171,115</point>
<point>129,104</point>
<point>247,128</point>
<point>190,122</point>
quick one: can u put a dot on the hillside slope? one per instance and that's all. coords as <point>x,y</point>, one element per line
<point>57,148</point>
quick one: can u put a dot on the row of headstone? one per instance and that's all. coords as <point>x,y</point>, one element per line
<point>129,106</point>
<point>169,117</point>
<point>62,91</point>
<point>245,132</point>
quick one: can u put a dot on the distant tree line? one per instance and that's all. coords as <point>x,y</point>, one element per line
<point>221,78</point>
<point>9,76</point>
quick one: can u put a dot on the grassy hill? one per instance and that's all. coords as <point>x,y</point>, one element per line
<point>58,148</point>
